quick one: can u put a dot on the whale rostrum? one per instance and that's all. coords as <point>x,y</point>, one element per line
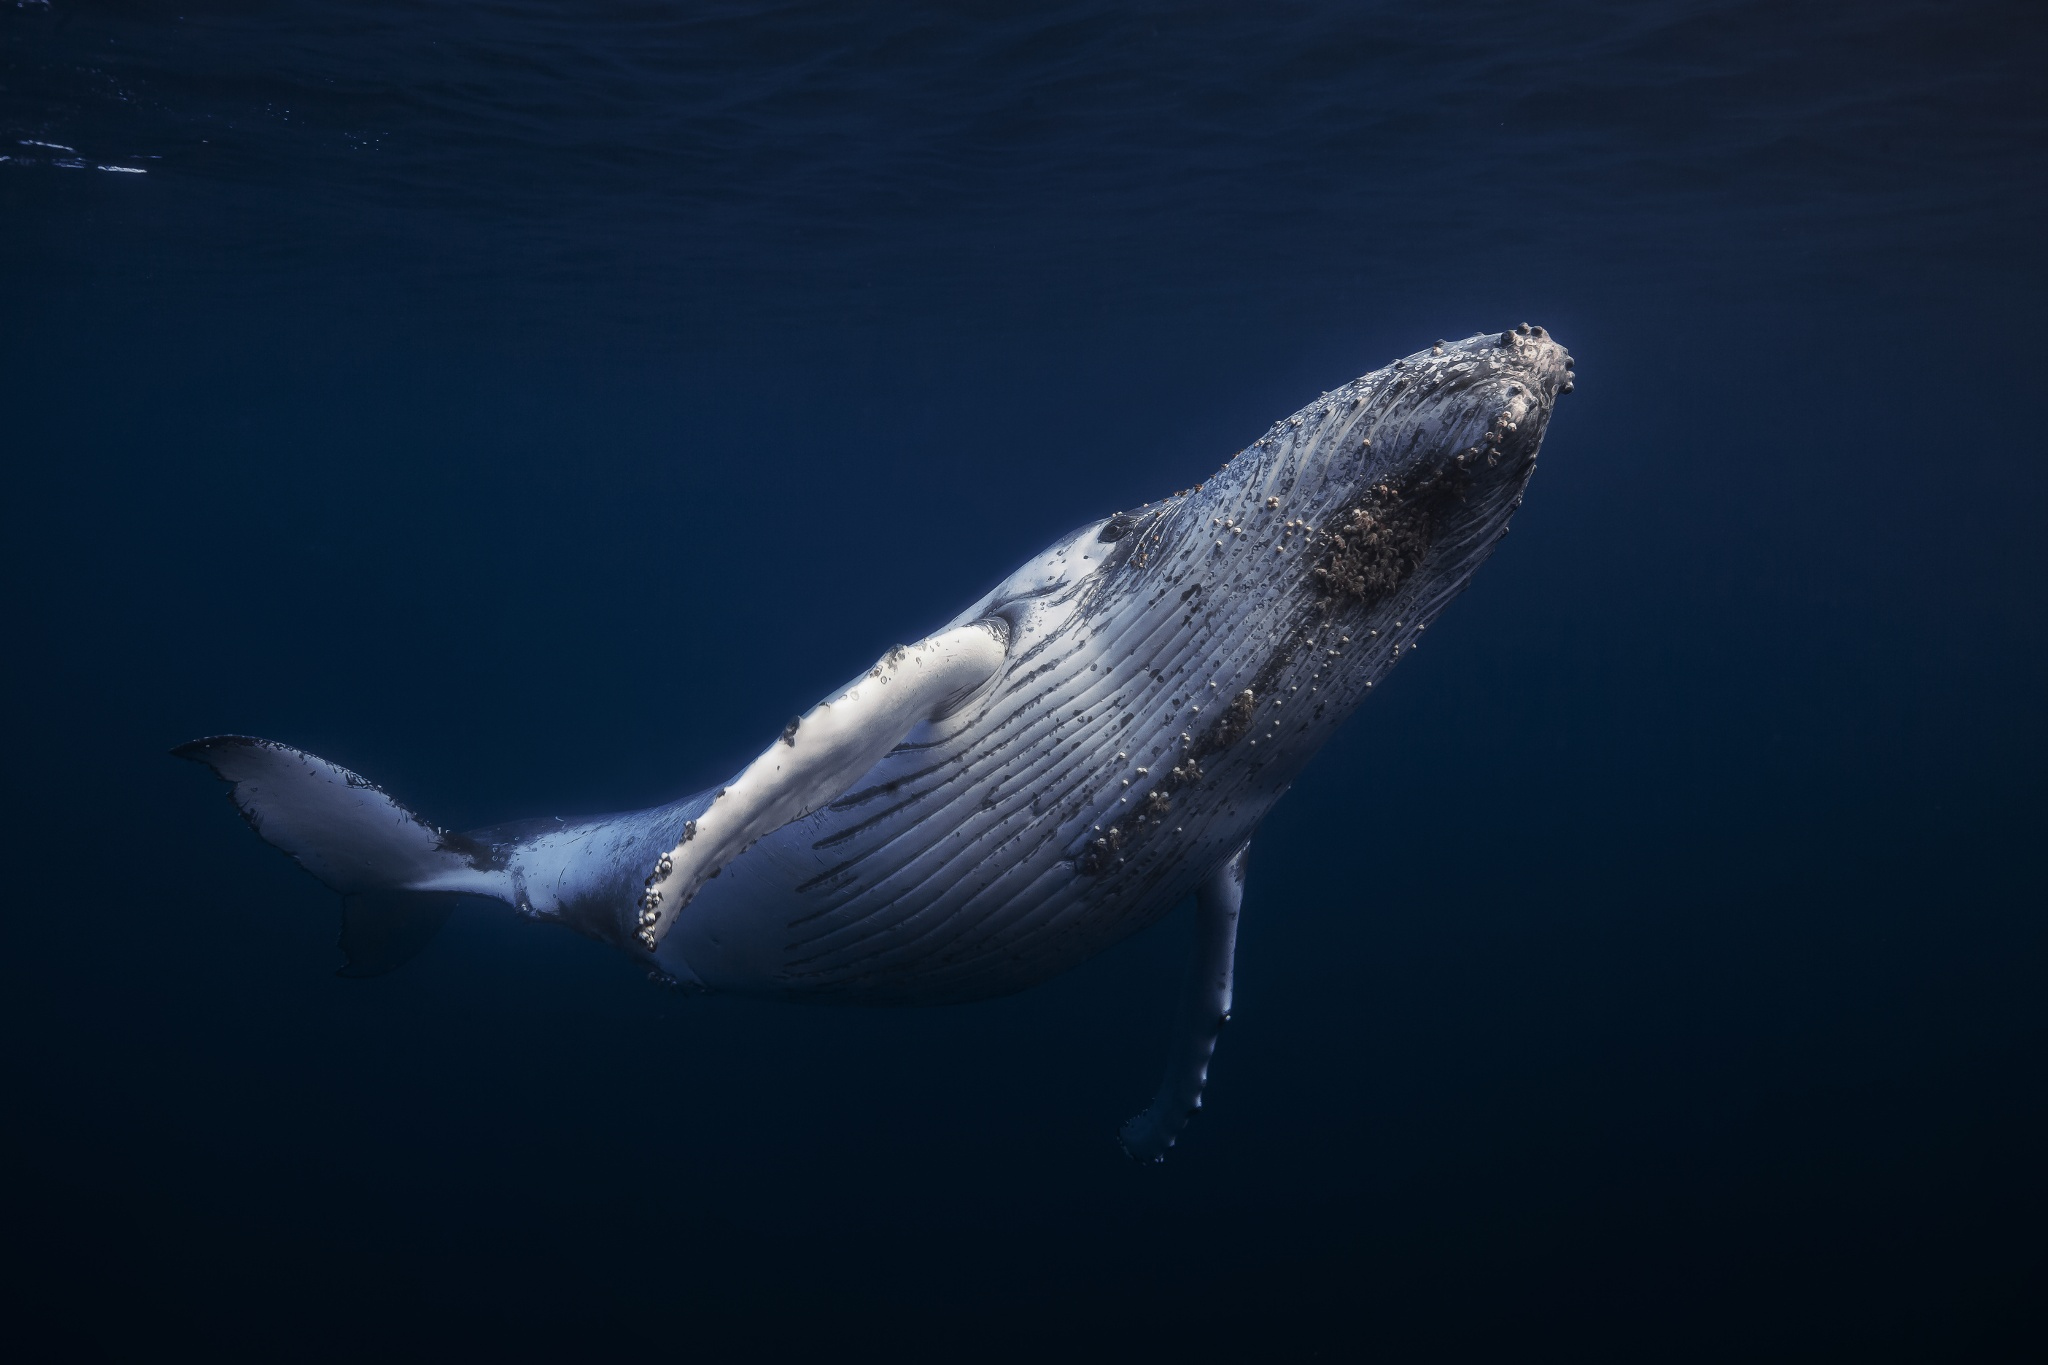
<point>1080,750</point>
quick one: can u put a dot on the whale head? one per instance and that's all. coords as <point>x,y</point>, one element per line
<point>1407,476</point>
<point>1394,486</point>
<point>1211,642</point>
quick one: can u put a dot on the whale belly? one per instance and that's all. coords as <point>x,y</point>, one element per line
<point>936,881</point>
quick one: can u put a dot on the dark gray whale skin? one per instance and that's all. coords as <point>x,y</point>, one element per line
<point>1168,673</point>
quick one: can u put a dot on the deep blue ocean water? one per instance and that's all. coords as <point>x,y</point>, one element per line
<point>1654,970</point>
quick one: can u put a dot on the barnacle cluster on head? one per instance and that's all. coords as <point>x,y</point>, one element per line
<point>1382,537</point>
<point>1375,545</point>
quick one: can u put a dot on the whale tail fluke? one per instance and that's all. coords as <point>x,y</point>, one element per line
<point>398,875</point>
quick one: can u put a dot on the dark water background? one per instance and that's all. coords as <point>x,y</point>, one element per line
<point>1653,971</point>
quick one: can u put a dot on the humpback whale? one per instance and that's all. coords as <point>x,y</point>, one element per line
<point>1076,753</point>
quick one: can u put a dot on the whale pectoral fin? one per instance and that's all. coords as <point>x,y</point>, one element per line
<point>819,756</point>
<point>1205,1008</point>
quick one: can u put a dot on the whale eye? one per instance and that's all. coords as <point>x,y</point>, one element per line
<point>1119,526</point>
